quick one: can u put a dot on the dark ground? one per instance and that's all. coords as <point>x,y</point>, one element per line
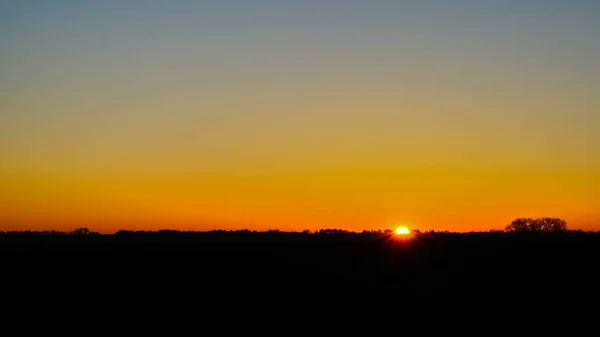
<point>288,270</point>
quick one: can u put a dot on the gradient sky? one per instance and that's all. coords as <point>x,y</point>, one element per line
<point>446,115</point>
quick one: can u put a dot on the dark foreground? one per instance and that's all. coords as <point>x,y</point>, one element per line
<point>229,268</point>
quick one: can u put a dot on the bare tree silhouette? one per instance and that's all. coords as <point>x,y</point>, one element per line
<point>545,224</point>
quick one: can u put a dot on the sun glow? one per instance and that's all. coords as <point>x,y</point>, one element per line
<point>402,230</point>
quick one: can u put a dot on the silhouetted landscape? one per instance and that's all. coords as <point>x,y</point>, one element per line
<point>520,260</point>
<point>135,135</point>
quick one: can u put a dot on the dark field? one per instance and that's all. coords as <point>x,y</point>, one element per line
<point>248,263</point>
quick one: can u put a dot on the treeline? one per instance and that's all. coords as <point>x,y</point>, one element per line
<point>537,225</point>
<point>81,231</point>
<point>518,225</point>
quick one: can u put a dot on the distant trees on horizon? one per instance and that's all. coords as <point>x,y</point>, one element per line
<point>80,231</point>
<point>518,225</point>
<point>537,225</point>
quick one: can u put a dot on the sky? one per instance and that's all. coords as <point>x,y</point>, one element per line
<point>200,115</point>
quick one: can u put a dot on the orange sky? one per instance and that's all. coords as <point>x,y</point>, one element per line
<point>447,116</point>
<point>423,198</point>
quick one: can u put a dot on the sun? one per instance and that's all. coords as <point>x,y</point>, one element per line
<point>402,230</point>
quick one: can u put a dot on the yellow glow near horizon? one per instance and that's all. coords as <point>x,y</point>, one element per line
<point>196,118</point>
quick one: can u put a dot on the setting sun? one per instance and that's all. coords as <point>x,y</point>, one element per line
<point>402,230</point>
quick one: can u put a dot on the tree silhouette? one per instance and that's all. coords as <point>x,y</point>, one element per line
<point>552,224</point>
<point>83,231</point>
<point>545,224</point>
<point>519,225</point>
